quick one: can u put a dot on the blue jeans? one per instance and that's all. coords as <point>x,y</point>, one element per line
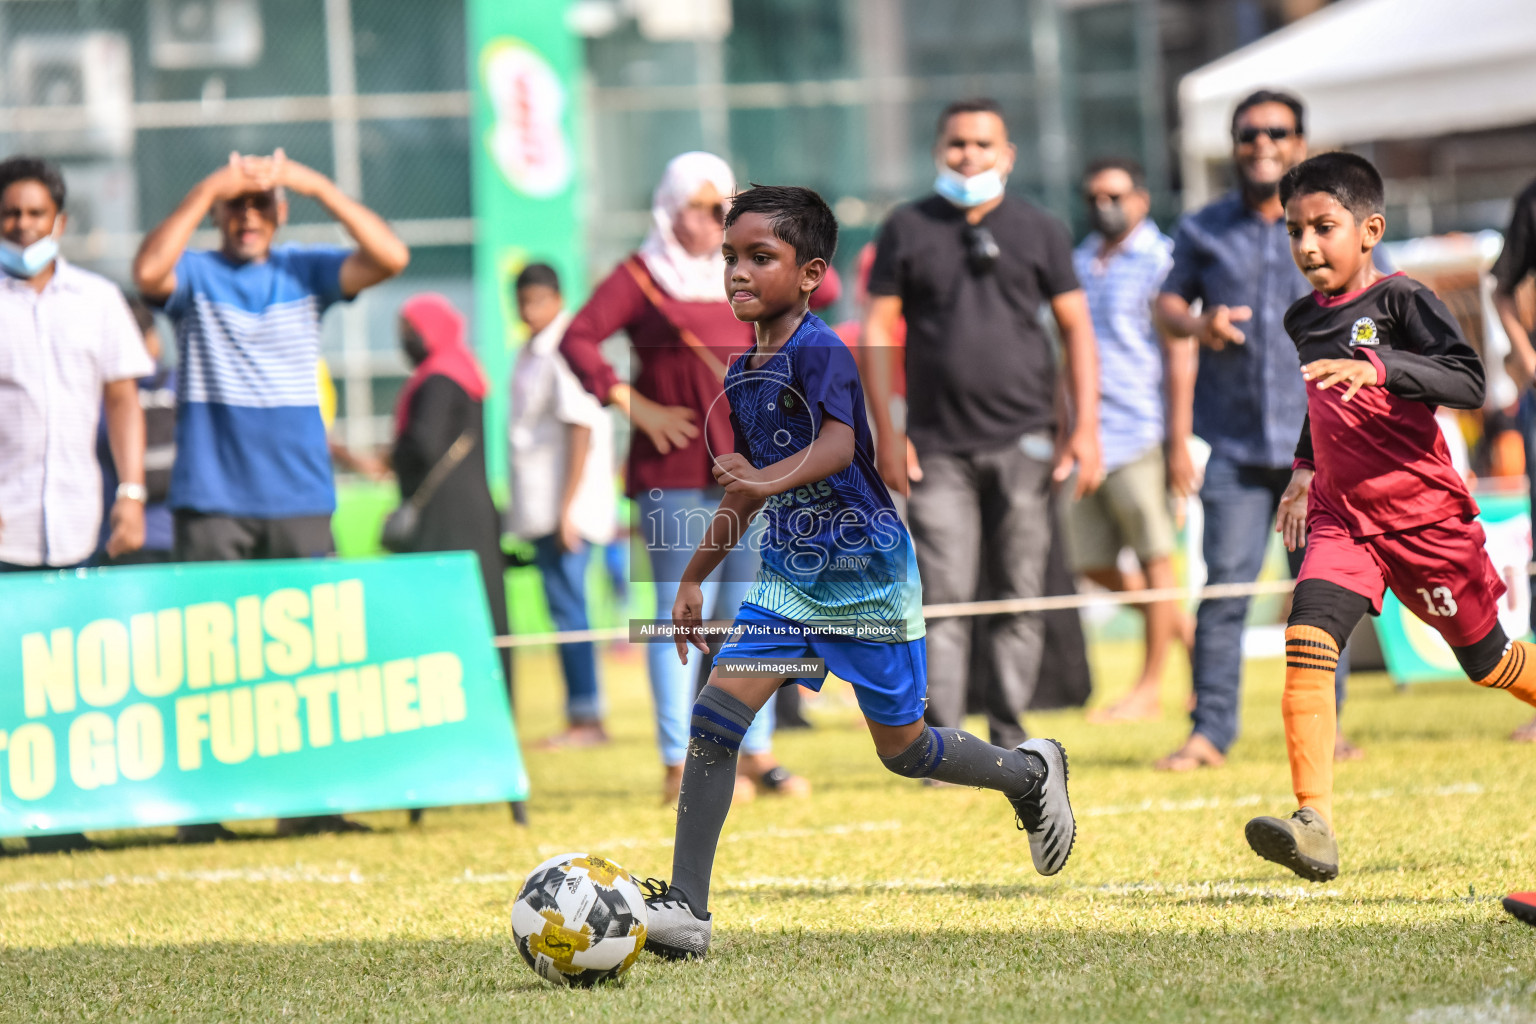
<point>1240,504</point>
<point>565,590</point>
<point>673,522</point>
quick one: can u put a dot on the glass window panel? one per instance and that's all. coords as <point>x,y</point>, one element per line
<point>1104,37</point>
<point>172,160</point>
<point>416,168</point>
<point>429,36</point>
<point>788,41</point>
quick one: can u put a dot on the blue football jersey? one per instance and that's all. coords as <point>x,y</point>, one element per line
<point>835,551</point>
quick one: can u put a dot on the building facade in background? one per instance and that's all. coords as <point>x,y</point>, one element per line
<point>141,98</point>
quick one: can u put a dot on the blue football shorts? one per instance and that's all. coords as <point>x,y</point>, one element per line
<point>890,680</point>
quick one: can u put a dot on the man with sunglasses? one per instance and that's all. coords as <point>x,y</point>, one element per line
<point>252,476</point>
<point>1234,257</point>
<point>972,269</point>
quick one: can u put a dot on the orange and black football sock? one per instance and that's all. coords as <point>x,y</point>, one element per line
<point>1514,670</point>
<point>1311,717</point>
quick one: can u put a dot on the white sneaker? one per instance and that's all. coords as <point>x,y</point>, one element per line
<point>1046,814</point>
<point>671,929</point>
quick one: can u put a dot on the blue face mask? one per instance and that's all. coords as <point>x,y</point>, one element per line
<point>968,192</point>
<point>28,262</point>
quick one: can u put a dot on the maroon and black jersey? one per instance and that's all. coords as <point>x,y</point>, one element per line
<point>1381,463</point>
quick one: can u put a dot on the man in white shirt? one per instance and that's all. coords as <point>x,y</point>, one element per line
<point>69,349</point>
<point>561,450</point>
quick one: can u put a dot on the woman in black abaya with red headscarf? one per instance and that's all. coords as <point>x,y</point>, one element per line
<point>439,404</point>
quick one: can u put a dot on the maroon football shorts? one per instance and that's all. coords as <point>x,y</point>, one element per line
<point>1440,571</point>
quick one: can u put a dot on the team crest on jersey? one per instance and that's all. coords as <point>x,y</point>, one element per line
<point>1363,333</point>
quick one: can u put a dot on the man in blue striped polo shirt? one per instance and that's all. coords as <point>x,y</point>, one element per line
<point>1121,265</point>
<point>252,476</point>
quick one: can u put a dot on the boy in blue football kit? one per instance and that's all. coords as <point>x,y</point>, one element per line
<point>838,581</point>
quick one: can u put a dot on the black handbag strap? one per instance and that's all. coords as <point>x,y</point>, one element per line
<point>445,465</point>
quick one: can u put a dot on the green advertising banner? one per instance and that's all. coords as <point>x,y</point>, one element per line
<point>1412,650</point>
<point>524,68</point>
<point>167,695</point>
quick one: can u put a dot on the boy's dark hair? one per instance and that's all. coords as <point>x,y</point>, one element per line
<point>973,105</point>
<point>799,217</point>
<point>142,314</point>
<point>537,275</point>
<point>1271,96</point>
<point>1117,163</point>
<point>1350,179</point>
<point>28,168</point>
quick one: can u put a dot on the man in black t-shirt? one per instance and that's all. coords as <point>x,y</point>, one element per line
<point>970,270</point>
<point>1516,262</point>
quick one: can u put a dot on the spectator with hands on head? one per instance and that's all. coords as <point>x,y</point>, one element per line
<point>252,476</point>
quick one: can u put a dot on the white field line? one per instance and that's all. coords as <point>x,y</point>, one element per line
<point>1509,1004</point>
<point>300,873</point>
<point>1198,889</point>
<point>1211,803</point>
<point>852,828</point>
<point>297,873</point>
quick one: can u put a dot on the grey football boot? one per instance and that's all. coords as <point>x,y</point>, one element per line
<point>1303,842</point>
<point>1046,814</point>
<point>671,929</point>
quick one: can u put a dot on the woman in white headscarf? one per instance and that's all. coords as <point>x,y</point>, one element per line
<point>669,297</point>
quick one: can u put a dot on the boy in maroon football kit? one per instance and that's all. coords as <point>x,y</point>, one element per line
<point>1373,495</point>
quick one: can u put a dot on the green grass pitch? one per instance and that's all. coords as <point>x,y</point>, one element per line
<point>876,900</point>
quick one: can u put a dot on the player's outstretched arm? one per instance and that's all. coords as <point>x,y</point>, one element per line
<point>380,254</point>
<point>1435,365</point>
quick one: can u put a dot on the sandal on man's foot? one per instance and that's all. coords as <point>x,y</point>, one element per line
<point>1197,752</point>
<point>780,781</point>
<point>1343,750</point>
<point>575,737</point>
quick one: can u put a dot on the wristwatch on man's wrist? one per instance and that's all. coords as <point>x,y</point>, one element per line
<point>133,492</point>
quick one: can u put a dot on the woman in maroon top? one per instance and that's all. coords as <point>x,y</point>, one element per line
<point>670,299</point>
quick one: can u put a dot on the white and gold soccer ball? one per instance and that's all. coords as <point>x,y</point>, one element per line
<point>579,920</point>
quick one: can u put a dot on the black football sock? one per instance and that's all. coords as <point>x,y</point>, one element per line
<point>709,782</point>
<point>951,755</point>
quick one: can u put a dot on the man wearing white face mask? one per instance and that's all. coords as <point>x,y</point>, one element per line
<point>69,353</point>
<point>68,349</point>
<point>970,268</point>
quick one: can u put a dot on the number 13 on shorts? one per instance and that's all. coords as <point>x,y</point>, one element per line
<point>1438,602</point>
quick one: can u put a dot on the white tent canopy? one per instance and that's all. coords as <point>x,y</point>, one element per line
<point>1370,70</point>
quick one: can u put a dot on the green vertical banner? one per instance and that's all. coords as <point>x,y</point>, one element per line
<point>524,66</point>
